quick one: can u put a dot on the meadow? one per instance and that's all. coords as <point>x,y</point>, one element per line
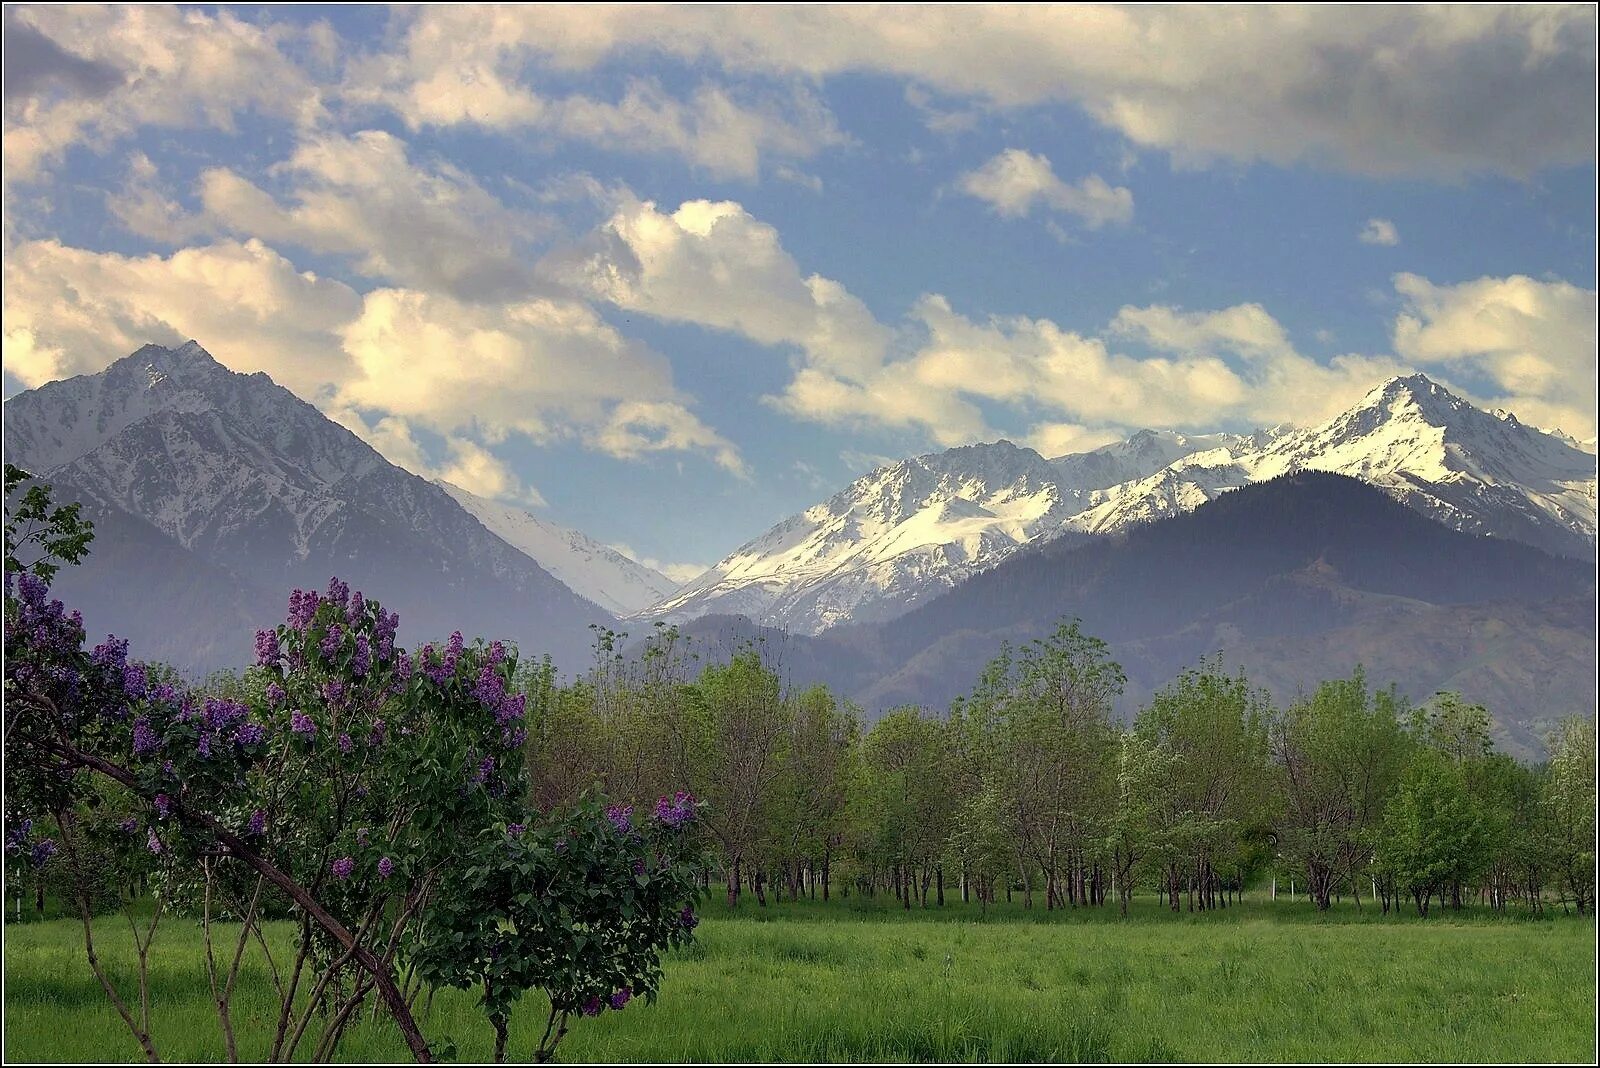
<point>863,980</point>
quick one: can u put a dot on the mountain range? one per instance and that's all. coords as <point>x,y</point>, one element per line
<point>1441,545</point>
<point>907,532</point>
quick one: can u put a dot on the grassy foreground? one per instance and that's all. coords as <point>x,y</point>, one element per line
<point>860,980</point>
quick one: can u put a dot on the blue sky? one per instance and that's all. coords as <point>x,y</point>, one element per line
<point>668,275</point>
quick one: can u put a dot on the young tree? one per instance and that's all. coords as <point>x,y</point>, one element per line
<point>1340,753</point>
<point>1570,801</point>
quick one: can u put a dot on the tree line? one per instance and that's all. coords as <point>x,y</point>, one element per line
<point>1030,788</point>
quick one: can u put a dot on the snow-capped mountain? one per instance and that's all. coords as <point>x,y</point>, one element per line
<point>190,469</point>
<point>1477,471</point>
<point>589,569</point>
<point>889,541</point>
<point>909,531</point>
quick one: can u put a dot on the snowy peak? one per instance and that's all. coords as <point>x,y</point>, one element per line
<point>589,569</point>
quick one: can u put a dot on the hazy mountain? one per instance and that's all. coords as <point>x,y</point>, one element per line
<point>198,477</point>
<point>907,532</point>
<point>589,569</point>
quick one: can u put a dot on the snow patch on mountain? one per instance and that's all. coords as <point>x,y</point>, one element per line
<point>591,570</point>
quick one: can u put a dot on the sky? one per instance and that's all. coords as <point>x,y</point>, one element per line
<point>670,274</point>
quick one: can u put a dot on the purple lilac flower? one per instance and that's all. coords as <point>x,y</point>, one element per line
<point>490,688</point>
<point>593,1006</point>
<point>363,658</point>
<point>144,737</point>
<point>134,682</point>
<point>375,736</point>
<point>516,829</point>
<point>676,810</point>
<point>497,651</point>
<point>385,868</point>
<point>338,592</point>
<point>687,919</point>
<point>342,867</point>
<point>18,834</point>
<point>333,691</point>
<point>301,723</point>
<point>346,743</point>
<point>266,648</point>
<point>258,822</point>
<point>43,850</point>
<point>111,654</point>
<point>153,843</point>
<point>620,998</point>
<point>129,825</point>
<point>275,694</point>
<point>302,608</point>
<point>621,817</point>
<point>163,806</point>
<point>249,734</point>
<point>485,769</point>
<point>329,646</point>
<point>358,605</point>
<point>638,867</point>
<point>511,709</point>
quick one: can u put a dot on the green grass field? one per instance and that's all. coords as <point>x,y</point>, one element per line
<point>860,980</point>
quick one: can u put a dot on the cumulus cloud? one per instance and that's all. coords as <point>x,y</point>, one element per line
<point>1534,340</point>
<point>96,74</point>
<point>714,264</point>
<point>447,73</point>
<point>1428,90</point>
<point>679,573</point>
<point>1379,232</point>
<point>1014,182</point>
<point>466,464</point>
<point>637,427</point>
<point>432,227</point>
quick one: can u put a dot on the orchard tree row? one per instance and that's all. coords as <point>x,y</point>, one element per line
<point>1030,787</point>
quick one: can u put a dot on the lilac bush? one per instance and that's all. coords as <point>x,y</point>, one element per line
<point>353,782</point>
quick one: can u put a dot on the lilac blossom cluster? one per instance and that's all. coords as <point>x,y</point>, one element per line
<point>621,817</point>
<point>677,810</point>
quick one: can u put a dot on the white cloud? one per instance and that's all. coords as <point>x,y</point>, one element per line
<point>161,66</point>
<point>1379,232</point>
<point>715,265</point>
<point>1061,439</point>
<point>1014,182</point>
<point>471,66</point>
<point>467,464</point>
<point>679,573</point>
<point>637,427</point>
<point>1429,90</point>
<point>361,196</point>
<point>1535,340</point>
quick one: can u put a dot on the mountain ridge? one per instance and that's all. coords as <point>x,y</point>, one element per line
<point>906,532</point>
